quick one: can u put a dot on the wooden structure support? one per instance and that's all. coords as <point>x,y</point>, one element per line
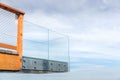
<point>12,61</point>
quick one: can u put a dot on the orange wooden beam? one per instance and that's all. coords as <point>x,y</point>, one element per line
<point>8,8</point>
<point>20,35</point>
<point>8,46</point>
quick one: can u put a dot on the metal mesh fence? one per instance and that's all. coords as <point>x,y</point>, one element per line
<point>8,27</point>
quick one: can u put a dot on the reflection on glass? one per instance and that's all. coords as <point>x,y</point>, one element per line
<point>40,42</point>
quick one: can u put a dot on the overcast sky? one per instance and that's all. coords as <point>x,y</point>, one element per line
<point>93,27</point>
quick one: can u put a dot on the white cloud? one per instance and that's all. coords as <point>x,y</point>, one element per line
<point>112,3</point>
<point>93,26</point>
<point>53,22</point>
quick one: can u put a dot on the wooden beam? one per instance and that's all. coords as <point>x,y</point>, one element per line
<point>8,46</point>
<point>20,35</point>
<point>13,10</point>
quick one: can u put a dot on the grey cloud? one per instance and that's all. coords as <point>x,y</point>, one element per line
<point>59,6</point>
